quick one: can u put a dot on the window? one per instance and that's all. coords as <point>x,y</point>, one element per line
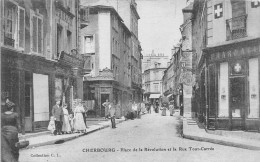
<point>9,24</point>
<point>69,41</point>
<point>59,39</point>
<point>36,33</point>
<point>14,25</point>
<point>89,44</point>
<point>156,87</point>
<point>21,28</point>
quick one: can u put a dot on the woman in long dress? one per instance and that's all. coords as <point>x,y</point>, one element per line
<point>79,125</point>
<point>164,109</point>
<point>9,134</point>
<point>66,124</point>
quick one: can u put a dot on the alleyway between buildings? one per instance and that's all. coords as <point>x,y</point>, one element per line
<point>151,138</point>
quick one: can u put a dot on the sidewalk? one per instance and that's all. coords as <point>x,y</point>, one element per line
<point>46,138</point>
<point>246,140</point>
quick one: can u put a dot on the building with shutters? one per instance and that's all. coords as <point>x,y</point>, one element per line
<point>107,41</point>
<point>115,71</point>
<point>39,59</point>
<point>227,64</point>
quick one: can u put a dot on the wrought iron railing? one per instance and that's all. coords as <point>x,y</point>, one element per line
<point>236,27</point>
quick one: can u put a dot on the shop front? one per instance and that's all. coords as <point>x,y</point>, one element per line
<point>34,84</point>
<point>233,86</point>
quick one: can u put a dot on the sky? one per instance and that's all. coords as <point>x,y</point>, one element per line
<point>159,24</point>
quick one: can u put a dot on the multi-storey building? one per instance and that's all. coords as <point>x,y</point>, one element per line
<point>127,9</point>
<point>168,81</point>
<point>39,59</point>
<point>154,66</point>
<point>107,44</point>
<point>229,63</point>
<point>185,80</point>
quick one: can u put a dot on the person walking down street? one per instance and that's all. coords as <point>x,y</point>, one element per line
<point>9,133</point>
<point>138,110</point>
<point>106,105</point>
<point>66,124</point>
<point>143,107</point>
<point>171,108</point>
<point>134,107</point>
<point>164,109</point>
<point>149,107</point>
<point>156,109</point>
<point>79,125</point>
<point>57,112</point>
<point>112,112</point>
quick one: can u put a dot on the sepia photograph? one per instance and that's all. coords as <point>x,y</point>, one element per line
<point>130,80</point>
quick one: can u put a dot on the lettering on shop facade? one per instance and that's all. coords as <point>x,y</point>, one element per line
<point>237,52</point>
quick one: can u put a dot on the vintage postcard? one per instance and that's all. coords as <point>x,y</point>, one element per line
<point>130,80</point>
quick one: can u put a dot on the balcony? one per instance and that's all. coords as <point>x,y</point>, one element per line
<point>236,27</point>
<point>84,17</point>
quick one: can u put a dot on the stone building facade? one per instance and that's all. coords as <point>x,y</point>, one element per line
<point>39,59</point>
<point>154,66</point>
<point>229,64</point>
<point>107,43</point>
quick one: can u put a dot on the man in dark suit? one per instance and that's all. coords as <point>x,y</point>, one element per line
<point>57,112</point>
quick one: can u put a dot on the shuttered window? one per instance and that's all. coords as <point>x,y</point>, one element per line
<point>36,33</point>
<point>21,27</point>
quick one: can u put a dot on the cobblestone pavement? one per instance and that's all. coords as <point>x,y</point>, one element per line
<point>152,138</point>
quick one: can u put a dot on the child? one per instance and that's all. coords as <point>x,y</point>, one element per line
<point>71,121</point>
<point>51,126</point>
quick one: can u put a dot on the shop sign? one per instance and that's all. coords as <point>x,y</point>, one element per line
<point>236,52</point>
<point>187,78</point>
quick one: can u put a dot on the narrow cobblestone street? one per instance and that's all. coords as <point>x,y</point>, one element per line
<point>153,136</point>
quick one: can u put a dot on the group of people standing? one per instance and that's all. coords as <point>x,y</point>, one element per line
<point>164,107</point>
<point>64,122</point>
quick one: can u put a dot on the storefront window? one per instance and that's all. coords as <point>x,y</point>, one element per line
<point>253,110</point>
<point>223,97</point>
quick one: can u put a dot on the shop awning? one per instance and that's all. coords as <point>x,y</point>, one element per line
<point>155,96</point>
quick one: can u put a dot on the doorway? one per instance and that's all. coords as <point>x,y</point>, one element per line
<point>104,97</point>
<point>237,102</point>
<point>28,102</point>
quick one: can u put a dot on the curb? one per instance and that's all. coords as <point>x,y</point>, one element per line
<point>221,142</point>
<point>62,140</point>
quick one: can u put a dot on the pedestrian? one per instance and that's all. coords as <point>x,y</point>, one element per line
<point>57,112</point>
<point>156,109</point>
<point>148,105</point>
<point>106,104</point>
<point>134,108</point>
<point>112,112</point>
<point>138,110</point>
<point>51,126</point>
<point>164,109</point>
<point>171,108</point>
<point>71,121</point>
<point>65,124</point>
<point>79,125</point>
<point>9,133</point>
<point>143,107</point>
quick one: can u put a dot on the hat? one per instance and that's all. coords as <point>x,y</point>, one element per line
<point>9,103</point>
